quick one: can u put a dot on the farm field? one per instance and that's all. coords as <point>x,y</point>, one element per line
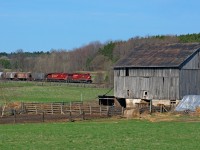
<point>161,132</point>
<point>47,92</point>
<point>102,134</point>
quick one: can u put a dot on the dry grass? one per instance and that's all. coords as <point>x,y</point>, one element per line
<point>172,116</point>
<point>164,117</point>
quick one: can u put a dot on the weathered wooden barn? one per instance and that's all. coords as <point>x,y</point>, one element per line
<point>158,72</point>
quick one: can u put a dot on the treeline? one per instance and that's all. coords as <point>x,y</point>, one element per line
<point>94,57</point>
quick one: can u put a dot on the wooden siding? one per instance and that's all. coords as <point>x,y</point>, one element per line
<point>147,72</point>
<point>190,77</point>
<point>158,83</point>
<point>194,63</point>
<point>154,72</point>
<point>189,82</point>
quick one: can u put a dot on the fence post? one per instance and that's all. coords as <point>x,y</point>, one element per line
<point>107,111</point>
<point>70,116</point>
<point>43,116</point>
<point>14,116</point>
<point>83,117</point>
<point>150,107</point>
<point>61,109</point>
<point>36,109</point>
<point>100,110</point>
<point>70,106</point>
<point>80,109</point>
<point>51,108</point>
<point>22,106</point>
<point>90,109</point>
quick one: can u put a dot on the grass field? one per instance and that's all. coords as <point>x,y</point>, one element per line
<point>102,134</point>
<point>32,92</point>
<point>97,134</point>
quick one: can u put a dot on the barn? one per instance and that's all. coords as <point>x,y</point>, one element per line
<point>163,73</point>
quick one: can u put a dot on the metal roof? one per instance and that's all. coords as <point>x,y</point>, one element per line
<point>165,55</point>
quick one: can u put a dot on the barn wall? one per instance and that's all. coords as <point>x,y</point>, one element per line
<point>190,77</point>
<point>147,83</point>
<point>194,63</point>
<point>189,82</point>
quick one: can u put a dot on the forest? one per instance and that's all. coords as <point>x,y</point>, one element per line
<point>93,57</point>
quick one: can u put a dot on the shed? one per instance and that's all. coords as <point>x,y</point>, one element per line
<point>159,72</point>
<point>106,100</point>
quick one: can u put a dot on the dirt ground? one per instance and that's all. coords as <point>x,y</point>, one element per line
<point>38,118</point>
<point>154,117</point>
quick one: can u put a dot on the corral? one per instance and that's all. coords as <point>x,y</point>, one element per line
<point>42,112</point>
<point>61,100</point>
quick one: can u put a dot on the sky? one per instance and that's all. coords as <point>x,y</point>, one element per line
<point>42,25</point>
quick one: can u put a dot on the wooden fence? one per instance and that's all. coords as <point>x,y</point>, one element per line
<point>73,107</point>
<point>43,112</point>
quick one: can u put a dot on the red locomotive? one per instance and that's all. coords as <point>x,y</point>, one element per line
<point>81,77</point>
<point>57,76</point>
<point>66,77</point>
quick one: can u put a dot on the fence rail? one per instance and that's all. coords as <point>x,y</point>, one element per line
<point>42,112</point>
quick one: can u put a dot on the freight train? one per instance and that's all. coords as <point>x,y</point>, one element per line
<point>51,77</point>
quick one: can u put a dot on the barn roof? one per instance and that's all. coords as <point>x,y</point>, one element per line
<point>167,56</point>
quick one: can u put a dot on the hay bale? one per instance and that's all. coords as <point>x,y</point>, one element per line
<point>197,110</point>
<point>14,105</point>
<point>131,113</point>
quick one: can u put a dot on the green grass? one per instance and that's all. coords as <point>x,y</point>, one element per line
<point>107,134</point>
<point>98,134</point>
<point>32,92</point>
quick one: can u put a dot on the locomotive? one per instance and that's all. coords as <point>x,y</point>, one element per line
<point>70,77</point>
<point>51,77</point>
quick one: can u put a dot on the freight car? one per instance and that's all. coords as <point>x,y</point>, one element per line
<point>23,76</point>
<point>69,77</point>
<point>9,75</point>
<point>17,76</point>
<point>37,76</point>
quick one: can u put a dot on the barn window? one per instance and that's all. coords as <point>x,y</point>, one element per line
<point>127,72</point>
<point>145,94</point>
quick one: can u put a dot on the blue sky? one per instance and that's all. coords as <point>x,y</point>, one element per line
<point>42,25</point>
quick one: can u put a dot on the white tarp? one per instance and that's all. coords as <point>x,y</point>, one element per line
<point>1,75</point>
<point>189,102</point>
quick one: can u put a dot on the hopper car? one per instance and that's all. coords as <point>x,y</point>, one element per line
<point>23,76</point>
